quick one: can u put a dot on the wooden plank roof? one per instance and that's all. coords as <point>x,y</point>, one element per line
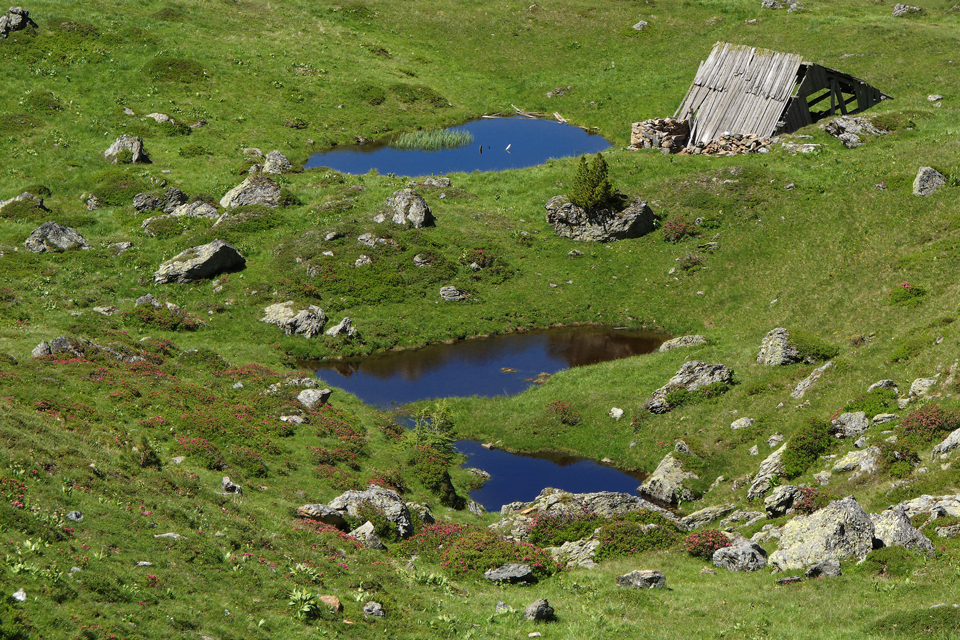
<point>739,89</point>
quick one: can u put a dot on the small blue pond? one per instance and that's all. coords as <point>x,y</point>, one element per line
<point>531,142</point>
<point>477,367</point>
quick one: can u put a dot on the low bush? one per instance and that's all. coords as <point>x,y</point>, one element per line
<point>691,262</point>
<point>550,529</point>
<point>478,550</point>
<point>204,450</point>
<point>115,188</point>
<point>635,533</point>
<point>162,318</point>
<point>18,123</point>
<point>372,94</point>
<point>888,562</point>
<point>811,348</point>
<point>680,397</point>
<point>924,425</point>
<point>898,460</point>
<point>172,69</point>
<point>873,403</point>
<point>41,100</point>
<point>677,228</point>
<point>564,413</point>
<point>808,443</point>
<point>592,189</point>
<point>703,544</point>
<point>810,500</point>
<point>906,295</point>
<point>431,468</point>
<point>909,348</point>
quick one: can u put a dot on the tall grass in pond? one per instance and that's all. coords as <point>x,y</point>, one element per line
<point>434,140</point>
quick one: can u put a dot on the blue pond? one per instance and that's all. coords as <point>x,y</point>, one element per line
<point>531,142</point>
<point>476,367</point>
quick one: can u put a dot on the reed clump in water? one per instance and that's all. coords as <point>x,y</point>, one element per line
<point>434,140</point>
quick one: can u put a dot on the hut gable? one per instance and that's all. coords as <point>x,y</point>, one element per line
<point>747,90</point>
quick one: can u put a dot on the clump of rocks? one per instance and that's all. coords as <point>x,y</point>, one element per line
<point>692,376</point>
<point>15,19</point>
<point>848,130</point>
<point>127,144</point>
<point>54,237</point>
<point>302,322</point>
<point>575,222</point>
<point>669,134</point>
<point>406,208</point>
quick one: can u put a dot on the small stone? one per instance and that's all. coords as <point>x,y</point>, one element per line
<point>616,413</point>
<point>333,602</point>
<point>790,580</point>
<point>539,610</point>
<point>74,516</point>
<point>171,535</point>
<point>742,423</point>
<point>643,579</point>
<point>20,596</point>
<point>374,609</point>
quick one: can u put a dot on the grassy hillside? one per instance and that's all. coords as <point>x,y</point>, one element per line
<point>807,241</point>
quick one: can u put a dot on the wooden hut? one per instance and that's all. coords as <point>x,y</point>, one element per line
<point>746,90</point>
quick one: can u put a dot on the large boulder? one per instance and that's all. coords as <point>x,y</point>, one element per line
<point>133,144</point>
<point>840,530</point>
<point>691,376</point>
<point>196,263</point>
<point>776,349</point>
<point>386,502</point>
<point>770,468</point>
<point>302,322</point>
<point>256,189</point>
<point>405,207</point>
<point>746,556</point>
<point>276,163</point>
<point>15,19</point>
<point>571,221</point>
<point>862,461</point>
<point>666,482</point>
<point>948,505</point>
<point>51,236</point>
<point>894,529</point>
<point>322,513</point>
<point>511,574</point>
<point>196,209</point>
<point>927,181</point>
<point>949,443</point>
<point>850,425</point>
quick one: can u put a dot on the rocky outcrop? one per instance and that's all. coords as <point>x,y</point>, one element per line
<point>863,461</point>
<point>825,569</point>
<point>571,221</point>
<point>949,443</point>
<point>452,294</point>
<point>769,469</point>
<point>26,196</point>
<point>196,263</point>
<point>386,502</point>
<point>840,530</point>
<point>780,500</point>
<point>276,163</point>
<point>83,348</point>
<point>682,341</point>
<point>706,515</point>
<point>927,181</point>
<point>196,209</point>
<point>643,579</point>
<point>948,505</point>
<point>849,129</point>
<point>517,515</point>
<point>405,208</point>
<point>776,350</point>
<point>302,322</point>
<point>343,328</point>
<point>850,425</point>
<point>15,19</point>
<point>691,376</point>
<point>804,385</point>
<point>900,10</point>
<point>54,237</point>
<point>894,529</point>
<point>131,144</point>
<point>511,574</point>
<point>367,535</point>
<point>666,482</point>
<point>578,553</point>
<point>322,513</point>
<point>256,189</point>
<point>311,398</point>
<point>746,556</point>
<point>742,423</point>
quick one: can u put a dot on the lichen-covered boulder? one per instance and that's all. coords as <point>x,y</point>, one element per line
<point>780,500</point>
<point>54,237</point>
<point>666,482</point>
<point>133,144</point>
<point>691,376</point>
<point>386,502</point>
<point>405,208</point>
<point>682,341</point>
<point>927,181</point>
<point>643,579</point>
<point>949,443</point>
<point>322,513</point>
<point>770,468</point>
<point>571,221</point>
<point>747,556</point>
<point>276,163</point>
<point>894,529</point>
<point>840,530</point>
<point>197,263</point>
<point>776,349</point>
<point>302,322</point>
<point>256,189</point>
<point>851,424</point>
<point>863,461</point>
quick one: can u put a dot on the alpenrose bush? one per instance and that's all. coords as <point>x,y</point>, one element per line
<point>635,533</point>
<point>906,294</point>
<point>552,529</point>
<point>922,426</point>
<point>705,543</point>
<point>811,500</point>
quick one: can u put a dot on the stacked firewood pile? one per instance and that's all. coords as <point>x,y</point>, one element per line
<point>669,134</point>
<point>731,144</point>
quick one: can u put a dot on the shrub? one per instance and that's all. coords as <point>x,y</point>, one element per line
<point>173,69</point>
<point>897,460</point>
<point>389,479</point>
<point>705,543</point>
<point>163,318</point>
<point>371,94</point>
<point>431,468</point>
<point>552,529</point>
<point>249,461</point>
<point>28,210</point>
<point>635,533</point>
<point>41,100</point>
<point>592,189</point>
<point>384,528</point>
<point>18,123</point>
<point>906,294</point>
<point>811,348</point>
<point>678,228</point>
<point>811,500</point>
<point>921,426</point>
<point>38,190</point>
<point>873,403</point>
<point>909,348</point>
<point>203,450</point>
<point>809,442</point>
<point>565,413</point>
<point>115,188</point>
<point>691,262</point>
<point>478,550</point>
<point>680,397</point>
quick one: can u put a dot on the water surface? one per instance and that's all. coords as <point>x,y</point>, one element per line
<point>531,142</point>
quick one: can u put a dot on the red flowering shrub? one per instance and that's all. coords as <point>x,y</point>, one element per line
<point>676,229</point>
<point>565,413</point>
<point>810,500</point>
<point>705,543</point>
<point>922,426</point>
<point>204,450</point>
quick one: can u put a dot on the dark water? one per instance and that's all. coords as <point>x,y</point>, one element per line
<point>531,142</point>
<point>476,367</point>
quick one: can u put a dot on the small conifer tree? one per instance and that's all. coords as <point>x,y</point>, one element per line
<point>591,187</point>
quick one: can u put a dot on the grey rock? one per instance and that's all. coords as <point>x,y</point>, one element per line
<point>948,532</point>
<point>927,181</point>
<point>363,261</point>
<point>539,610</point>
<point>256,189</point>
<point>742,423</point>
<point>882,418</point>
<point>922,388</point>
<point>511,574</point>
<point>15,19</point>
<point>147,202</point>
<point>196,263</point>
<point>640,26</point>
<point>54,237</point>
<point>133,144</point>
<point>884,384</point>
<point>366,533</point>
<point>322,513</point>
<point>771,4</point>
<point>171,535</point>
<point>747,556</point>
<point>452,294</point>
<point>570,221</point>
<point>706,515</point>
<point>386,502</point>
<point>26,196</point>
<point>343,328</point>
<point>74,516</point>
<point>754,450</point>
<point>894,529</point>
<point>174,198</point>
<point>93,203</point>
<point>776,349</point>
<point>804,385</point>
<point>682,341</point>
<point>851,126</point>
<point>691,376</point>
<point>850,425</point>
<point>840,530</point>
<point>160,118</point>
<point>276,163</point>
<point>421,260</point>
<point>666,482</point>
<point>948,505</point>
<point>311,398</point>
<point>740,519</point>
<point>770,468</point>
<point>408,208</point>
<point>476,508</point>
<point>116,248</point>
<point>825,569</point>
<point>107,311</point>
<point>227,486</point>
<point>577,553</point>
<point>864,461</point>
<point>146,299</point>
<point>422,510</point>
<point>774,440</point>
<point>949,443</point>
<point>643,579</point>
<point>302,322</point>
<point>781,499</point>
<point>196,209</point>
<point>850,140</point>
<point>900,10</point>
<point>373,610</point>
